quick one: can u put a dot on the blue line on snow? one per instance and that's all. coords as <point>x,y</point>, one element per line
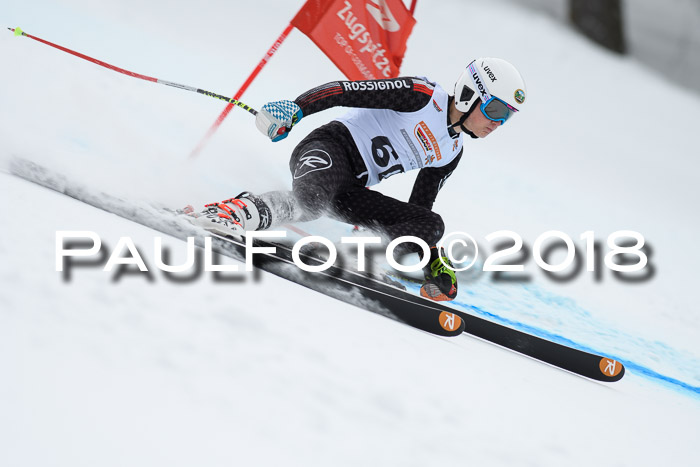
<point>629,364</point>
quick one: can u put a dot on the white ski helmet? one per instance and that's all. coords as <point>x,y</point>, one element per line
<point>488,78</point>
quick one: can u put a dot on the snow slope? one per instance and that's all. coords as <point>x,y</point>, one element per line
<point>143,372</point>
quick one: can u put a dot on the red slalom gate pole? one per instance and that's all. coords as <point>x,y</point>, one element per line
<point>240,92</point>
<point>413,6</point>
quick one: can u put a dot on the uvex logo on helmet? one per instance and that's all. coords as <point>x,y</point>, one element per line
<point>381,13</point>
<point>479,84</point>
<point>490,73</point>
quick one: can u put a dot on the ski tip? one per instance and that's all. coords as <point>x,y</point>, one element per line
<point>611,369</point>
<point>451,322</point>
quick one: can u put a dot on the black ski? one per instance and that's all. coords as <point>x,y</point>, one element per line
<point>567,358</point>
<point>377,296</point>
<point>383,298</point>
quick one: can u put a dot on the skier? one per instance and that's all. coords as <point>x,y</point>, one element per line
<point>396,125</point>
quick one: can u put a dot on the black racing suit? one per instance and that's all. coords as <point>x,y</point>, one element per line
<point>339,190</point>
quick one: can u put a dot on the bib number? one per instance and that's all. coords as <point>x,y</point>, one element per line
<point>385,157</point>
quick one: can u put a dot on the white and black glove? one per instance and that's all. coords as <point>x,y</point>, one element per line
<point>276,119</point>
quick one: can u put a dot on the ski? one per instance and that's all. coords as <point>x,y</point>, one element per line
<point>373,294</point>
<point>380,297</point>
<point>573,360</point>
<point>376,295</point>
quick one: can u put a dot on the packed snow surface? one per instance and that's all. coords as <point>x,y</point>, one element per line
<point>137,369</point>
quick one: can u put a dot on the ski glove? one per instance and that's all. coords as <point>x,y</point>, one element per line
<point>276,119</point>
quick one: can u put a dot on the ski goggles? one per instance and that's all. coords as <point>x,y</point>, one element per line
<point>492,107</point>
<point>496,110</point>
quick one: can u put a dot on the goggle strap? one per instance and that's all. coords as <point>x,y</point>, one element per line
<point>486,95</point>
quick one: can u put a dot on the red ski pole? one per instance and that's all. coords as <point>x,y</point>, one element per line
<point>231,101</point>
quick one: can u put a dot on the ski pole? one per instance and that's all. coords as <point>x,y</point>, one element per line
<point>215,126</point>
<point>19,32</point>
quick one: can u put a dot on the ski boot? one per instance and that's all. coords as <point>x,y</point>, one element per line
<point>232,217</point>
<point>440,280</point>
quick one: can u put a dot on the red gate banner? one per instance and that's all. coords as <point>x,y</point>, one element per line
<point>366,39</point>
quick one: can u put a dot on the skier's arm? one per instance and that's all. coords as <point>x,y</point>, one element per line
<point>429,182</point>
<point>276,119</point>
<point>404,94</point>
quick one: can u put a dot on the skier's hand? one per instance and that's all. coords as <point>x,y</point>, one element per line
<point>276,119</point>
